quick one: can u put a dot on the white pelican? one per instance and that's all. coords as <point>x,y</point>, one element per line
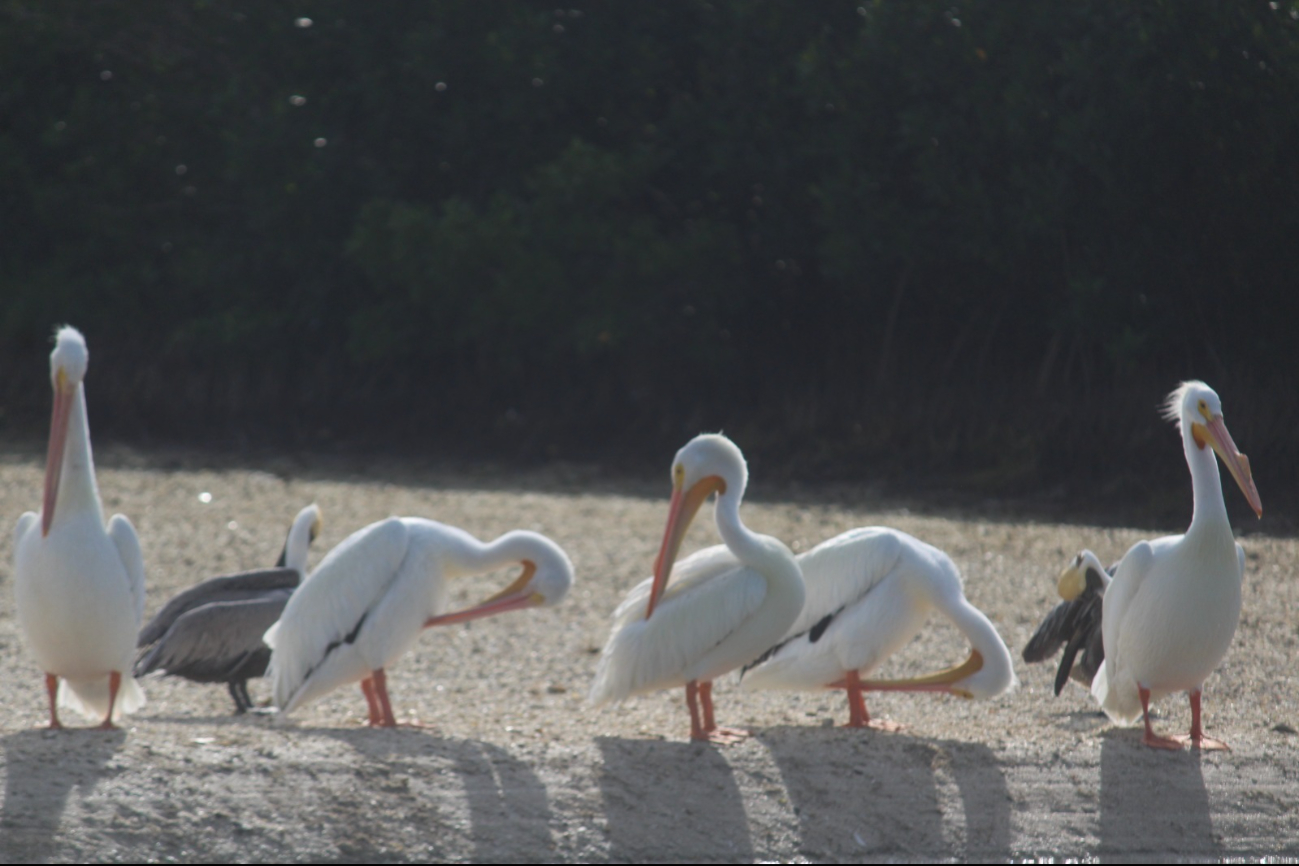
<point>1074,623</point>
<point>371,596</point>
<point>212,632</point>
<point>79,589</point>
<point>869,591</point>
<point>1171,610</point>
<point>727,605</point>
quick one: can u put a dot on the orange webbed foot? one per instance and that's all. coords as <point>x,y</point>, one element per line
<point>1154,741</point>
<point>1203,743</point>
<point>723,736</point>
<point>886,726</point>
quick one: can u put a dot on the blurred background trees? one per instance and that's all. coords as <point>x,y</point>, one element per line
<point>974,243</point>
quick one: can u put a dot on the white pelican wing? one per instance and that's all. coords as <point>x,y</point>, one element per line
<point>332,603</point>
<point>123,536</point>
<point>26,522</point>
<point>1126,584</point>
<point>711,598</point>
<point>1113,690</point>
<point>700,566</point>
<point>842,570</point>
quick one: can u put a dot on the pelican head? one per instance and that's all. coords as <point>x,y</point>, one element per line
<point>304,530</point>
<point>1084,573</point>
<point>68,362</point>
<point>69,355</point>
<point>546,578</point>
<point>710,463</point>
<point>1198,411</point>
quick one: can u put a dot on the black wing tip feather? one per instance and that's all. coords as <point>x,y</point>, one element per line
<point>813,634</point>
<point>1050,635</point>
<point>1066,666</point>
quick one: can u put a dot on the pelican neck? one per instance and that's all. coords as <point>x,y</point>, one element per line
<point>298,545</point>
<point>77,488</point>
<point>1210,510</point>
<point>477,557</point>
<point>738,537</point>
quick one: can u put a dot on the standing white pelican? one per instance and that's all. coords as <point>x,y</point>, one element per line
<point>79,589</point>
<point>371,596</point>
<point>1074,623</point>
<point>869,591</point>
<point>727,605</point>
<point>212,632</point>
<point>1171,610</point>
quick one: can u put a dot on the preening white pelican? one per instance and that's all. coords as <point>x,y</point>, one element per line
<point>212,633</point>
<point>371,596</point>
<point>869,591</point>
<point>1171,610</point>
<point>726,606</point>
<point>79,589</point>
<point>1074,623</point>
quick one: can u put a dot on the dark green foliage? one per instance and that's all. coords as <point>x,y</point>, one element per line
<point>981,239</point>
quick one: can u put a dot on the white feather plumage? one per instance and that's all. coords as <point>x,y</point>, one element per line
<point>662,651</point>
<point>1171,610</point>
<point>725,605</point>
<point>367,601</point>
<point>877,586</point>
<point>79,590</point>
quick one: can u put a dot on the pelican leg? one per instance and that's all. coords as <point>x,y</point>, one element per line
<point>1151,738</point>
<point>712,732</point>
<point>858,716</point>
<point>706,704</point>
<point>114,683</point>
<point>376,715</point>
<point>381,692</point>
<point>697,731</point>
<point>248,699</point>
<point>52,686</point>
<point>381,715</point>
<point>1196,738</point>
<point>241,700</point>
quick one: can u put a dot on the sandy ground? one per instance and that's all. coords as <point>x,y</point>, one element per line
<point>514,766</point>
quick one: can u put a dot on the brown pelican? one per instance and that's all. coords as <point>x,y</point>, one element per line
<point>1074,623</point>
<point>212,633</point>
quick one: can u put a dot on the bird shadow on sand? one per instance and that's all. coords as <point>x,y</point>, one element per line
<point>1079,721</point>
<point>41,768</point>
<point>509,812</point>
<point>263,720</point>
<point>686,792</point>
<point>1154,803</point>
<point>866,795</point>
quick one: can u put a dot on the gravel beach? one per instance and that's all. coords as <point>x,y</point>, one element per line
<point>513,766</point>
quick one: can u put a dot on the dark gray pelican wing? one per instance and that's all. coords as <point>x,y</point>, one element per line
<point>226,588</point>
<point>219,642</point>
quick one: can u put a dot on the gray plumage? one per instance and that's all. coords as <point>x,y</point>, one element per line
<point>1075,625</point>
<point>212,633</point>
